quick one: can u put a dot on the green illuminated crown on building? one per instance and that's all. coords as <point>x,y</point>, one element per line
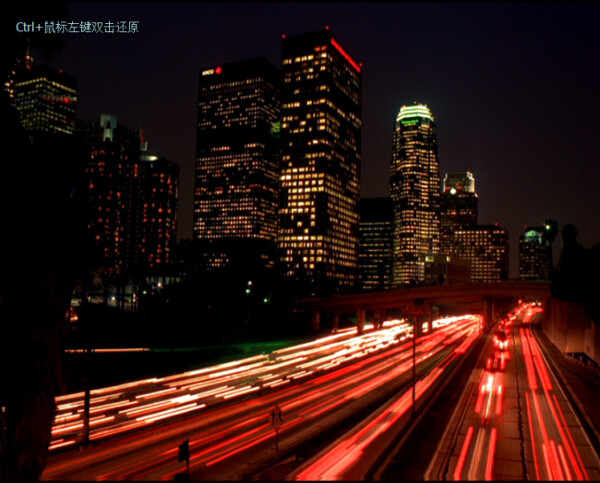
<point>408,113</point>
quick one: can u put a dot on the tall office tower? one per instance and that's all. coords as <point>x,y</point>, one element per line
<point>486,247</point>
<point>415,191</point>
<point>237,164</point>
<point>21,64</point>
<point>375,246</point>
<point>160,184</point>
<point>46,100</point>
<point>458,207</point>
<point>114,191</point>
<point>321,154</point>
<point>535,253</point>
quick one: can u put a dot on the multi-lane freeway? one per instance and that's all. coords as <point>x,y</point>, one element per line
<point>343,401</point>
<point>224,410</point>
<point>514,422</point>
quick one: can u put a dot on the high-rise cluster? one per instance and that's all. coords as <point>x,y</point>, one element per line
<point>129,205</point>
<point>278,160</point>
<point>436,235</point>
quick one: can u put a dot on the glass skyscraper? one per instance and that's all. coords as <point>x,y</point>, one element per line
<point>415,191</point>
<point>321,155</point>
<point>237,163</point>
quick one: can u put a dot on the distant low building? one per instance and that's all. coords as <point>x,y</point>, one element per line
<point>486,248</point>
<point>446,270</point>
<point>375,244</point>
<point>535,254</point>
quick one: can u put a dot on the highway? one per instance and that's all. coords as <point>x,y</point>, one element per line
<point>224,410</point>
<point>514,422</point>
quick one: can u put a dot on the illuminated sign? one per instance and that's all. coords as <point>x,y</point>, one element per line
<point>216,70</point>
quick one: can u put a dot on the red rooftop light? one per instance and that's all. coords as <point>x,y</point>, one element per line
<point>346,56</point>
<point>218,70</point>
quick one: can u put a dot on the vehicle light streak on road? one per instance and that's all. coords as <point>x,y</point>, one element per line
<point>159,399</point>
<point>463,454</point>
<point>342,459</point>
<point>490,459</point>
<point>332,465</point>
<point>560,455</point>
<point>284,365</point>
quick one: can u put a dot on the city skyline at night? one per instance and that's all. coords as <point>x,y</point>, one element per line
<point>336,259</point>
<point>511,86</point>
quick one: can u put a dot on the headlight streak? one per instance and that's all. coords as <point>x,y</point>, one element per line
<point>232,379</point>
<point>558,465</point>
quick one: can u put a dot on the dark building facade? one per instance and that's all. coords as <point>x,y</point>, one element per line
<point>159,189</point>
<point>46,100</point>
<point>237,164</point>
<point>415,191</point>
<point>375,247</point>
<point>321,156</point>
<point>458,207</point>
<point>132,199</point>
<point>114,191</point>
<point>535,254</point>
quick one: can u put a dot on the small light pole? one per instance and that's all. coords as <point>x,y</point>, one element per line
<point>275,417</point>
<point>184,455</point>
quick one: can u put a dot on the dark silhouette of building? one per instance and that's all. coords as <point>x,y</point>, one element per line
<point>415,191</point>
<point>375,247</point>
<point>321,155</point>
<point>237,164</point>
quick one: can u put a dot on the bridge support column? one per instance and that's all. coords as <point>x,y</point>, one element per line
<point>488,311</point>
<point>378,317</point>
<point>316,321</point>
<point>360,319</point>
<point>336,322</point>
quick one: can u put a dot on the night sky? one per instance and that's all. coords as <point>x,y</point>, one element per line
<point>514,89</point>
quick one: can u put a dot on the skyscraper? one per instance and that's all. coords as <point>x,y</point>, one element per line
<point>132,198</point>
<point>375,247</point>
<point>415,191</point>
<point>321,155</point>
<point>46,100</point>
<point>237,163</point>
<point>159,187</point>
<point>458,207</point>
<point>114,191</point>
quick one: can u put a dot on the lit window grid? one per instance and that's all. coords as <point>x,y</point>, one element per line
<point>415,191</point>
<point>46,106</point>
<point>311,119</point>
<point>487,251</point>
